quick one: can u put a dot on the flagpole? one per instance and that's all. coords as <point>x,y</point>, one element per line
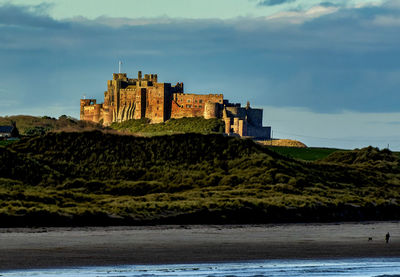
<point>119,66</point>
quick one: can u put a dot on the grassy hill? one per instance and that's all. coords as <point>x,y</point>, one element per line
<point>307,154</point>
<point>92,178</point>
<point>172,126</point>
<point>282,142</point>
<point>34,125</point>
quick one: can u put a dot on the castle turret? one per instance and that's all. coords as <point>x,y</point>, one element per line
<point>96,112</point>
<point>84,103</point>
<point>236,125</point>
<point>228,126</point>
<point>107,116</point>
<point>242,131</point>
<point>224,113</point>
<point>210,110</point>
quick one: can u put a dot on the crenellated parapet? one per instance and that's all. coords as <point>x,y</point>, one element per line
<point>145,97</point>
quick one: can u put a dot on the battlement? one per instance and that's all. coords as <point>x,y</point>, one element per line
<point>124,77</point>
<point>87,102</point>
<point>120,76</point>
<point>145,97</point>
<point>196,94</point>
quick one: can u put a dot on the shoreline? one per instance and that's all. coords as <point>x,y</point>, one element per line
<point>30,248</point>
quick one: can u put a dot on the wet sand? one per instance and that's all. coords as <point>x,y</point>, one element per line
<point>65,247</point>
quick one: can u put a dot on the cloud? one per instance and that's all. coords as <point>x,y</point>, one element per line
<point>122,21</point>
<point>372,4</point>
<point>330,4</point>
<point>390,21</point>
<point>326,59</point>
<point>28,16</point>
<point>392,4</point>
<point>298,17</point>
<point>274,2</point>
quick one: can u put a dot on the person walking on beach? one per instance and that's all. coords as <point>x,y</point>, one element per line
<point>387,237</point>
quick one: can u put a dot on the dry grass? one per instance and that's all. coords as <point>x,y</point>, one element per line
<point>283,142</point>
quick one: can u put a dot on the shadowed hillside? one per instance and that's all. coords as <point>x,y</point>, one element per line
<point>369,155</point>
<point>94,178</point>
<point>35,125</point>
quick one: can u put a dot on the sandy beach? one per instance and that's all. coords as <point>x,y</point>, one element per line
<point>65,247</point>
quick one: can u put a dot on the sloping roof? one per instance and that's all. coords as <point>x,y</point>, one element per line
<point>6,129</point>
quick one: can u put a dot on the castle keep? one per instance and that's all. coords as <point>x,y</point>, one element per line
<point>145,97</point>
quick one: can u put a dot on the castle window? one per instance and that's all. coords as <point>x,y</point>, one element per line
<point>195,106</point>
<point>195,101</point>
<point>200,106</point>
<point>188,106</point>
<point>158,101</point>
<point>201,101</point>
<point>188,100</point>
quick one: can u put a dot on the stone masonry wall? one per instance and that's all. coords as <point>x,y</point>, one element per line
<point>192,105</point>
<point>144,97</point>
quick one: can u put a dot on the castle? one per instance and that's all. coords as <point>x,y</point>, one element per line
<point>145,97</point>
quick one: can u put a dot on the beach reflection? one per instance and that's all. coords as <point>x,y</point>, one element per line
<point>295,268</point>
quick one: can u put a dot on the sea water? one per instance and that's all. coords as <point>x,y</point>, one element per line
<point>382,267</point>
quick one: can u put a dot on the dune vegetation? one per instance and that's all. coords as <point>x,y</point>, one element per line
<point>93,178</point>
<point>35,125</point>
<point>172,126</point>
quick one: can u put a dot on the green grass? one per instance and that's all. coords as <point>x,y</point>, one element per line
<point>172,126</point>
<point>307,154</point>
<point>6,142</point>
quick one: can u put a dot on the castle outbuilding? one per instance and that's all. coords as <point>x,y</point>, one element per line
<point>145,97</point>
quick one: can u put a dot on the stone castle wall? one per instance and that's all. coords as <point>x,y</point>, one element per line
<point>144,97</point>
<point>195,105</point>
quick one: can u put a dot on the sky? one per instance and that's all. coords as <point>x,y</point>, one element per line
<point>326,72</point>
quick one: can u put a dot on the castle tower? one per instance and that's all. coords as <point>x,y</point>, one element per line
<point>96,113</point>
<point>210,110</point>
<point>84,103</point>
<point>242,131</point>
<point>107,117</point>
<point>228,125</point>
<point>224,113</point>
